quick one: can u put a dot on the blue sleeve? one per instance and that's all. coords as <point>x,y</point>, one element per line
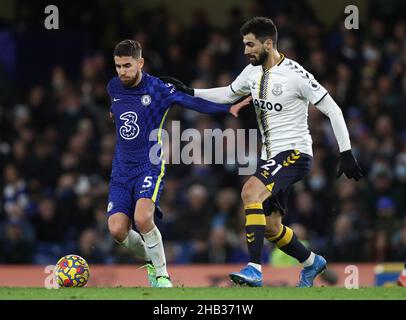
<point>199,104</point>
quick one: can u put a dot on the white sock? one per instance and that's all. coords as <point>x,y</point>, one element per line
<point>155,250</point>
<point>309,261</point>
<point>256,266</point>
<point>136,245</point>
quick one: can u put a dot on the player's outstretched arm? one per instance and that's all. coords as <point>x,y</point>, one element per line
<point>348,164</point>
<point>205,106</point>
<point>218,95</point>
<point>179,85</point>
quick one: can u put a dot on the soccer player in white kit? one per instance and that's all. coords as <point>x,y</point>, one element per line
<point>281,90</point>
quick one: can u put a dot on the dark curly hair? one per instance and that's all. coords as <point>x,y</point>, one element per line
<point>262,28</point>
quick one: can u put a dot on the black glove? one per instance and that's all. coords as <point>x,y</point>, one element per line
<point>179,85</point>
<point>349,166</point>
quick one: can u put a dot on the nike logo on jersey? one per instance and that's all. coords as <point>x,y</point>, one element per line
<point>114,99</point>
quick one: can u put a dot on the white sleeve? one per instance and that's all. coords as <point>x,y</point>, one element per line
<point>218,95</point>
<point>309,88</point>
<point>328,106</point>
<point>233,92</point>
<point>240,85</point>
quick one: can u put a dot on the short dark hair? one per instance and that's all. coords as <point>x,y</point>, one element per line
<point>128,48</point>
<point>262,28</point>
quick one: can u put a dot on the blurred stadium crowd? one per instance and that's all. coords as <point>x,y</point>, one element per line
<point>57,141</point>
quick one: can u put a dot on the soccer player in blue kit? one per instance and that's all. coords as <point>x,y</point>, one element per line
<point>139,105</point>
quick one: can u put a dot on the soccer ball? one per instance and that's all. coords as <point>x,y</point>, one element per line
<point>72,271</point>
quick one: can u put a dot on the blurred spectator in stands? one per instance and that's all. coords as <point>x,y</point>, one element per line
<point>194,221</point>
<point>308,214</point>
<point>398,243</point>
<point>345,94</point>
<point>105,242</point>
<point>168,224</point>
<point>384,130</point>
<point>195,215</point>
<point>47,223</point>
<point>386,225</point>
<point>400,184</point>
<point>59,81</point>
<point>197,33</point>
<point>70,112</point>
<point>20,156</point>
<point>84,216</point>
<point>219,250</point>
<point>227,201</point>
<point>177,65</point>
<point>43,169</point>
<point>15,192</point>
<point>41,114</point>
<point>219,48</point>
<point>205,68</point>
<point>89,247</point>
<point>66,202</point>
<point>16,241</point>
<point>344,243</point>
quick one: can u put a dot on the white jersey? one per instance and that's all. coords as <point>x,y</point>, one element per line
<point>281,97</point>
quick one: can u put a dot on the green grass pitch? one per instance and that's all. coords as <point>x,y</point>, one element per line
<point>180,293</point>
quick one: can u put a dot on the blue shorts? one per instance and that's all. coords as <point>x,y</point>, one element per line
<point>124,192</point>
<point>279,173</point>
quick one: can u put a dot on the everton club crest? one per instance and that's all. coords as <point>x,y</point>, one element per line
<point>277,89</point>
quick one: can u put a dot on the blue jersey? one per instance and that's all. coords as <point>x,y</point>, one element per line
<point>138,111</point>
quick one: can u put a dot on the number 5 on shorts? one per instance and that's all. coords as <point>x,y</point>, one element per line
<point>147,182</point>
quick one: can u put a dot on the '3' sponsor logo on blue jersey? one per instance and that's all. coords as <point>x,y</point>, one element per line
<point>130,129</point>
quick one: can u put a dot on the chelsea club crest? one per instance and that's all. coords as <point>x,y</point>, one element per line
<point>146,100</point>
<point>277,89</point>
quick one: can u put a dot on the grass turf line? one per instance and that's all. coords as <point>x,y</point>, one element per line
<point>234,293</point>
